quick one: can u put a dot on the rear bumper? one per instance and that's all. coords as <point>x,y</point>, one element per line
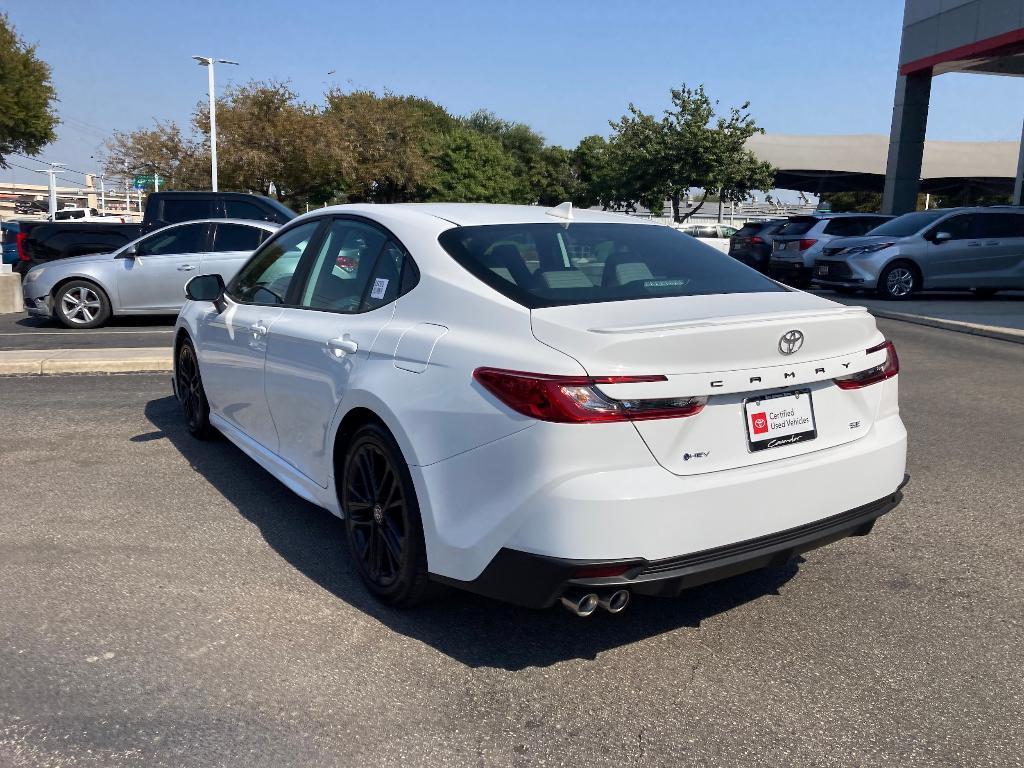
<point>790,269</point>
<point>537,581</point>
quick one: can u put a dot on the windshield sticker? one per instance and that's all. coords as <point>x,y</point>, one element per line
<point>666,283</point>
<point>380,286</point>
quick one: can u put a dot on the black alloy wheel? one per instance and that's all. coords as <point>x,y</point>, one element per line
<point>189,385</point>
<point>382,519</point>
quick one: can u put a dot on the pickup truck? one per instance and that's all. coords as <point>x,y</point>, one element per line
<point>41,241</point>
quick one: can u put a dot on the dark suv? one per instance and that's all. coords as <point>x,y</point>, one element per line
<point>752,244</point>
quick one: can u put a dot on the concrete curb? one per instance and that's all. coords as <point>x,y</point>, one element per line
<point>988,331</point>
<point>116,360</point>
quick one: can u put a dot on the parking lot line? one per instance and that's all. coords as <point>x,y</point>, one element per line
<point>82,333</point>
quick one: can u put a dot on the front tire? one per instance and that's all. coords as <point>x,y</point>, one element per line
<point>191,395</point>
<point>382,518</point>
<point>81,304</point>
<point>899,281</point>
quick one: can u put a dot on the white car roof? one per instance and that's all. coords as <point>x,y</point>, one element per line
<point>471,214</point>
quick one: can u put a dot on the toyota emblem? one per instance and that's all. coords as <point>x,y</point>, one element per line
<point>791,342</point>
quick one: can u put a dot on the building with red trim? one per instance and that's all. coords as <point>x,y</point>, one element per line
<point>939,36</point>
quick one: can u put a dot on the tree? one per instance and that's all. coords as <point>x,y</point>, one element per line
<point>267,136</point>
<point>593,172</point>
<point>393,140</point>
<point>182,162</point>
<point>472,167</point>
<point>27,97</point>
<point>536,170</point>
<point>689,147</point>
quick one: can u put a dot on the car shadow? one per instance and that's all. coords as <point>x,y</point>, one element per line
<point>121,321</point>
<point>475,631</point>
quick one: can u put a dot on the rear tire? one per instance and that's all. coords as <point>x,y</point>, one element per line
<point>191,395</point>
<point>81,304</point>
<point>899,281</point>
<point>382,519</point>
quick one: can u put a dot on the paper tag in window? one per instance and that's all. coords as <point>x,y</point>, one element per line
<point>380,286</point>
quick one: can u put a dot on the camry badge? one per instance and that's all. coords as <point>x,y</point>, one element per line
<point>791,342</point>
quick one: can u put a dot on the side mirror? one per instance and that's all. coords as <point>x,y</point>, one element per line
<point>205,288</point>
<point>128,253</point>
<point>941,237</point>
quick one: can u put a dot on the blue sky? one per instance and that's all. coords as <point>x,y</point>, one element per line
<point>565,68</point>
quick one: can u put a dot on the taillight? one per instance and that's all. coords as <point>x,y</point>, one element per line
<point>885,370</point>
<point>756,240</point>
<point>19,243</point>
<point>576,399</point>
<point>806,243</point>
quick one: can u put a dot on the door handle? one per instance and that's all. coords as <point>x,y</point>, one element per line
<point>342,347</point>
<point>186,267</point>
<point>973,244</point>
<point>991,242</point>
<point>258,329</point>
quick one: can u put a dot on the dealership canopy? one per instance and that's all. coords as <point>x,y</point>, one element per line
<point>857,162</point>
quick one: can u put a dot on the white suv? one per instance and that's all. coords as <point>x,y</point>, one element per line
<point>542,405</point>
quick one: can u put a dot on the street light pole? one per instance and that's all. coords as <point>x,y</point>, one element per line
<point>208,62</point>
<point>52,185</point>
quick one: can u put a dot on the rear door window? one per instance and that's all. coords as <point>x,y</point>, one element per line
<point>999,225</point>
<point>850,226</point>
<point>186,209</point>
<point>237,237</point>
<point>242,209</point>
<point>190,238</point>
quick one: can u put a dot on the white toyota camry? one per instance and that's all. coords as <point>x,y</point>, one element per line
<point>543,405</point>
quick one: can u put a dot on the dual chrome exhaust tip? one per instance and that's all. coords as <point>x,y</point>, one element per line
<point>584,603</point>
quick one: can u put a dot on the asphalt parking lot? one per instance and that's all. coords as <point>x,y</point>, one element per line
<point>1005,309</point>
<point>165,602</point>
<point>22,331</point>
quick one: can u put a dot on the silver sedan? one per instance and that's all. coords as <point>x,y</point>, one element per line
<point>145,277</point>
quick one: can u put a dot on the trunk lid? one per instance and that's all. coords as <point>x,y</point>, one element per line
<point>727,348</point>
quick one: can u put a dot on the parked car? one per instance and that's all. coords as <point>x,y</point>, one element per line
<point>979,249</point>
<point>82,214</point>
<point>145,277</point>
<point>801,239</point>
<point>752,243</point>
<point>46,241</point>
<point>715,235</point>
<point>543,406</point>
<point>9,240</point>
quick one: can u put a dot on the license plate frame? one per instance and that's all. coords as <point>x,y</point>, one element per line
<point>790,438</point>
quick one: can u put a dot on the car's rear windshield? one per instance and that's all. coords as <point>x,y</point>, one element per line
<point>797,226</point>
<point>550,265</point>
<point>907,224</point>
